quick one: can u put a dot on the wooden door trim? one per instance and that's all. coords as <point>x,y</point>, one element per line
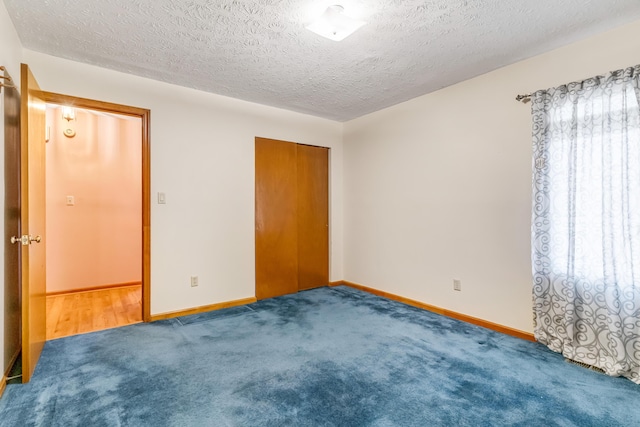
<point>145,117</point>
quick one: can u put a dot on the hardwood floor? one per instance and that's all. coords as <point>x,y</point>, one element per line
<point>82,312</point>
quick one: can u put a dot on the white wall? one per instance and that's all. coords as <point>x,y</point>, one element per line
<point>202,157</point>
<point>10,57</point>
<point>439,187</point>
<point>434,189</point>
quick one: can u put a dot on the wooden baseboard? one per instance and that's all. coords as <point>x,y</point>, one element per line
<point>12,361</point>
<point>203,309</point>
<point>442,311</point>
<point>3,384</point>
<point>95,288</point>
<point>5,375</point>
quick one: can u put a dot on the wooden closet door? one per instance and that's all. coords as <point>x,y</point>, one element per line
<point>276,218</point>
<point>313,217</point>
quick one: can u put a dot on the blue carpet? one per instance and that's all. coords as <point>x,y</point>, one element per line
<point>325,357</point>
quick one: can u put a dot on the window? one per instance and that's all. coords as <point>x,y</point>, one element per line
<point>593,159</point>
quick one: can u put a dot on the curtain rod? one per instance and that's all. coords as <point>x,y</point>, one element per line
<point>8,79</point>
<point>524,98</point>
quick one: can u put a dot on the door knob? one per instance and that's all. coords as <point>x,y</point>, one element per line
<point>15,239</point>
<point>25,240</point>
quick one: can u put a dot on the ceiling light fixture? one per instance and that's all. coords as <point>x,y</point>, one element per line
<point>334,24</point>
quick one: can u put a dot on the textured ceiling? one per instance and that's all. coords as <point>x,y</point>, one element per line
<point>259,50</point>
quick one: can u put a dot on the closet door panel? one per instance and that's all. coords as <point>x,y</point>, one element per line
<point>313,217</point>
<point>276,210</point>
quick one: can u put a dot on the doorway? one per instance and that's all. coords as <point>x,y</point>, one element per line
<point>93,220</point>
<point>30,239</point>
<point>123,290</point>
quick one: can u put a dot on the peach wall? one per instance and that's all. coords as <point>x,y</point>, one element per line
<point>97,241</point>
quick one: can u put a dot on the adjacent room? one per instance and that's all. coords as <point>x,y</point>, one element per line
<point>94,220</point>
<point>417,213</point>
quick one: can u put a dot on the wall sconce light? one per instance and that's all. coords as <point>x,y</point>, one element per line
<point>69,114</point>
<point>334,24</point>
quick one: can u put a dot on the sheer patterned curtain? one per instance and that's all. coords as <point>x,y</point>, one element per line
<point>586,221</point>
